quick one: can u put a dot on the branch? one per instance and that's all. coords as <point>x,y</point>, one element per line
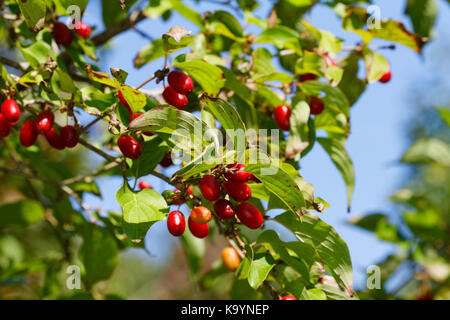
<point>120,27</point>
<point>87,177</point>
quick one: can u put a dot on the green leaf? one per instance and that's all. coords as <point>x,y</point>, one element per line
<point>350,84</point>
<point>428,151</point>
<point>152,153</point>
<point>113,13</point>
<point>187,12</point>
<point>299,134</point>
<point>37,53</point>
<point>140,210</point>
<point>225,113</point>
<point>176,38</point>
<point>225,24</point>
<point>101,77</point>
<point>34,13</point>
<point>277,181</point>
<point>260,267</point>
<point>208,76</point>
<point>423,15</point>
<point>376,66</point>
<point>136,99</point>
<point>329,246</point>
<point>99,254</point>
<point>343,163</point>
<point>333,96</point>
<point>282,37</point>
<point>21,213</point>
<point>149,53</point>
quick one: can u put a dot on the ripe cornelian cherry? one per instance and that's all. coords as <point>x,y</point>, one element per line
<point>201,215</point>
<point>5,127</point>
<point>174,98</point>
<point>290,297</point>
<point>238,175</point>
<point>199,230</point>
<point>28,133</point>
<point>230,258</point>
<point>386,77</point>
<point>10,110</point>
<point>307,77</point>
<point>69,136</point>
<point>316,105</point>
<point>166,161</point>
<point>282,114</point>
<point>180,82</point>
<point>224,209</point>
<point>238,191</point>
<point>129,147</point>
<point>176,223</point>
<point>249,215</point>
<point>62,34</point>
<point>54,139</point>
<point>44,121</point>
<point>144,185</point>
<point>83,30</point>
<point>210,187</point>
<point>125,103</point>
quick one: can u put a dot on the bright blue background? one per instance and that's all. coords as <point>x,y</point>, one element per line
<point>379,123</point>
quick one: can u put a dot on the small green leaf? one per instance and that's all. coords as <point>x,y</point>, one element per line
<point>260,267</point>
<point>34,13</point>
<point>136,99</point>
<point>149,53</point>
<point>21,213</point>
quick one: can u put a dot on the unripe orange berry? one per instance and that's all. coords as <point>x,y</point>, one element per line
<point>230,258</point>
<point>201,215</point>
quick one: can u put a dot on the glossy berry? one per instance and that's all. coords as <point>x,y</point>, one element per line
<point>176,200</point>
<point>289,298</point>
<point>307,77</point>
<point>174,98</point>
<point>28,133</point>
<point>249,215</point>
<point>69,136</point>
<point>190,190</point>
<point>5,127</point>
<point>238,191</point>
<point>62,34</point>
<point>125,103</point>
<point>129,147</point>
<point>386,77</point>
<point>144,185</point>
<point>10,110</point>
<point>282,114</point>
<point>224,209</point>
<point>316,105</point>
<point>238,175</point>
<point>230,258</point>
<point>166,161</point>
<point>44,121</point>
<point>199,230</point>
<point>83,30</point>
<point>54,139</point>
<point>210,187</point>
<point>180,82</point>
<point>201,215</point>
<point>176,223</point>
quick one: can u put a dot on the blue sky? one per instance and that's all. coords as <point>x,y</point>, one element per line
<point>378,139</point>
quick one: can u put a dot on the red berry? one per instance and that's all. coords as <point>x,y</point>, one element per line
<point>316,105</point>
<point>386,77</point>
<point>307,77</point>
<point>125,103</point>
<point>11,110</point>
<point>144,185</point>
<point>282,114</point>
<point>238,191</point>
<point>44,121</point>
<point>5,127</point>
<point>83,30</point>
<point>330,62</point>
<point>174,98</point>
<point>54,139</point>
<point>176,223</point>
<point>190,190</point>
<point>210,187</point>
<point>288,298</point>
<point>62,34</point>
<point>199,230</point>
<point>69,136</point>
<point>129,147</point>
<point>28,133</point>
<point>224,209</point>
<point>249,215</point>
<point>176,199</point>
<point>239,175</point>
<point>180,82</point>
<point>166,161</point>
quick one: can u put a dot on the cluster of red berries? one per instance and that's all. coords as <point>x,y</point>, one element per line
<point>64,36</point>
<point>282,113</point>
<point>43,124</point>
<point>235,185</point>
<point>180,85</point>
